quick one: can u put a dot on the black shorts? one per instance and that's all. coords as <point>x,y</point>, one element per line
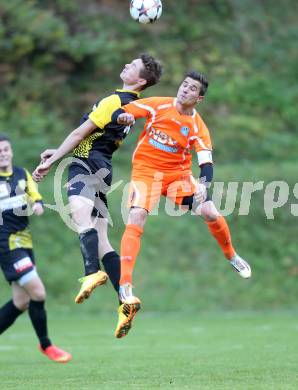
<point>92,179</point>
<point>17,263</point>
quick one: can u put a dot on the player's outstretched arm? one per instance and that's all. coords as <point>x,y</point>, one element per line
<point>70,142</point>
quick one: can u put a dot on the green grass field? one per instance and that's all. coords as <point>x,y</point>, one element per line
<point>163,351</point>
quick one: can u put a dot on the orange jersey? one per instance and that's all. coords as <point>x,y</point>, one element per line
<point>168,137</point>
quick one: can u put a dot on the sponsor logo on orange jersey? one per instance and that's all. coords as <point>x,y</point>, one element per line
<point>161,137</point>
<point>184,130</point>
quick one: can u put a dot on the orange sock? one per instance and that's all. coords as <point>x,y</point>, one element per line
<point>221,232</point>
<point>130,247</point>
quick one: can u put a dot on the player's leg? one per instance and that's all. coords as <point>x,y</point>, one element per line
<point>33,287</point>
<point>219,229</point>
<point>216,223</point>
<point>81,212</point>
<point>109,257</point>
<point>130,247</point>
<point>81,192</point>
<point>140,200</point>
<point>145,192</point>
<point>14,307</point>
<point>14,264</point>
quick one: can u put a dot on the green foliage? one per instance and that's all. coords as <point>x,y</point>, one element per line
<point>59,57</point>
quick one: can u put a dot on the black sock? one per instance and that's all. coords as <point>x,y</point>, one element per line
<point>38,316</point>
<point>111,262</point>
<point>89,249</point>
<point>8,314</point>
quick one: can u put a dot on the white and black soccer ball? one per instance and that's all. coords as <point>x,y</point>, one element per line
<point>145,11</point>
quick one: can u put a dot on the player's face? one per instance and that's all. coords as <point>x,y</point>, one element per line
<point>130,75</point>
<point>189,92</point>
<point>5,155</point>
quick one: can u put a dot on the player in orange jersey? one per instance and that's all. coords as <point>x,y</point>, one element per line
<point>162,166</point>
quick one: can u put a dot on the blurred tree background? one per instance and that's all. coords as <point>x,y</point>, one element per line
<point>59,57</point>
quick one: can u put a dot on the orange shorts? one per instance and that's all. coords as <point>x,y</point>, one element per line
<point>147,186</point>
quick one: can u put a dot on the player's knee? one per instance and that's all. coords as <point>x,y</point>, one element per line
<point>21,302</point>
<point>137,216</point>
<point>81,214</point>
<point>39,296</point>
<point>81,223</point>
<point>210,216</point>
<point>38,293</point>
<point>209,211</point>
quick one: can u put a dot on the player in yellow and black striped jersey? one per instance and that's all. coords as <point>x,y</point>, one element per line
<point>17,192</point>
<point>90,174</point>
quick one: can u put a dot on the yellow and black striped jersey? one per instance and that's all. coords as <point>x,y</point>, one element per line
<point>17,190</point>
<point>107,137</point>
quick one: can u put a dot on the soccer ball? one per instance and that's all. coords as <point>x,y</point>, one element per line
<point>145,11</point>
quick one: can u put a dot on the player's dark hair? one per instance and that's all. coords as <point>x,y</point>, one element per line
<point>4,137</point>
<point>152,70</point>
<point>201,78</point>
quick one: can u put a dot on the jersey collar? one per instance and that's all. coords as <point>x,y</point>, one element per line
<point>129,91</point>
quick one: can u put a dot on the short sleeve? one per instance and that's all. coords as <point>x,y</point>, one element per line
<point>31,189</point>
<point>145,108</point>
<point>102,114</point>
